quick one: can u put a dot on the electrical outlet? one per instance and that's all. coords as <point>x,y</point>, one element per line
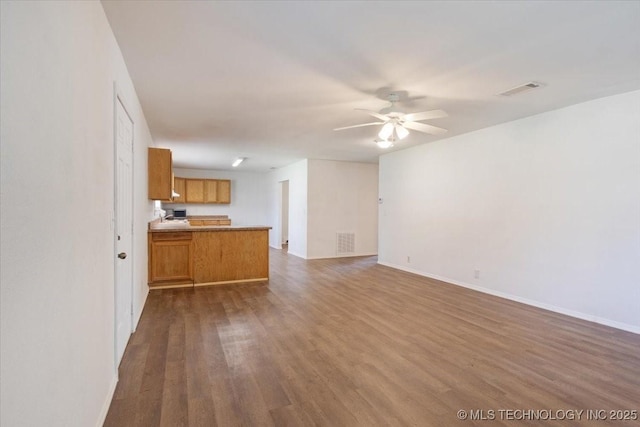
<point>476,274</point>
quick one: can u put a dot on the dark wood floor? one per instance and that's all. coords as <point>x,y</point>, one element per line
<point>351,343</point>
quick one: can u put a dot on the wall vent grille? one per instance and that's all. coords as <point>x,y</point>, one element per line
<point>345,243</point>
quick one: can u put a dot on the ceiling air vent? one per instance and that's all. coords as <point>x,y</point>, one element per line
<point>522,88</point>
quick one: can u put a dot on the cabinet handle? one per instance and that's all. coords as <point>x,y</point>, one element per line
<point>122,255</point>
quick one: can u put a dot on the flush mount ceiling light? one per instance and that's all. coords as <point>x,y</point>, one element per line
<point>521,88</point>
<point>238,161</point>
<point>396,122</point>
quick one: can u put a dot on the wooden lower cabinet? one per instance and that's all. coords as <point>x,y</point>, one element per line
<point>230,256</point>
<point>188,258</point>
<point>171,258</point>
<point>209,222</point>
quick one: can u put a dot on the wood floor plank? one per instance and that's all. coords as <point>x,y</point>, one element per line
<point>291,416</point>
<point>174,392</point>
<point>347,342</point>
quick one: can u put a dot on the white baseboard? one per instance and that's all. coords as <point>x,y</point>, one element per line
<point>534,303</point>
<point>107,403</point>
<point>343,256</point>
<point>295,254</point>
<point>138,315</point>
<point>325,257</point>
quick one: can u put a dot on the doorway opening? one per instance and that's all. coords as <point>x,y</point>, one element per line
<point>284,215</point>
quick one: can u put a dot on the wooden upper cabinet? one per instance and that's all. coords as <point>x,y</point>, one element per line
<point>179,187</point>
<point>224,191</point>
<point>211,191</point>
<point>194,190</point>
<point>160,177</point>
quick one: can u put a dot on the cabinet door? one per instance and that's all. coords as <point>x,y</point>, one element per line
<point>229,256</point>
<point>179,187</point>
<point>224,191</point>
<point>211,191</point>
<point>159,174</point>
<point>171,260</point>
<point>194,191</point>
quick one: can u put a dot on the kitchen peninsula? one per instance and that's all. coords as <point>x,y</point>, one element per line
<point>185,255</point>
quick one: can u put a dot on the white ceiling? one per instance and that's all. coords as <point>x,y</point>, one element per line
<point>269,80</point>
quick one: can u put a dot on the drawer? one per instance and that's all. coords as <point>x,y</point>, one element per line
<point>172,235</point>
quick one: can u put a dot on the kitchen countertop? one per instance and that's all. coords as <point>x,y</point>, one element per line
<point>153,229</point>
<point>157,226</point>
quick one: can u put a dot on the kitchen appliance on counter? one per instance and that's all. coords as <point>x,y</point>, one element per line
<point>179,213</point>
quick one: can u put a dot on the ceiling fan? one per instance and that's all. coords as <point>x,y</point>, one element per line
<point>396,123</point>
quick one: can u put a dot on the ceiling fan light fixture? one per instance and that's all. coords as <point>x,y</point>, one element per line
<point>386,131</point>
<point>384,143</point>
<point>401,132</point>
<point>396,125</point>
<point>237,162</point>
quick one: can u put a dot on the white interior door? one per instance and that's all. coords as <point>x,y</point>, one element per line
<point>124,230</point>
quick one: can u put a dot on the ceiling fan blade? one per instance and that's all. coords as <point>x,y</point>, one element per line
<point>359,126</point>
<point>425,115</point>
<point>374,114</point>
<point>421,127</point>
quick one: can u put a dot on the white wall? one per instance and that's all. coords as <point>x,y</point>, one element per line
<point>342,197</point>
<point>546,208</point>
<point>325,197</point>
<point>248,196</point>
<point>58,67</point>
<point>296,174</point>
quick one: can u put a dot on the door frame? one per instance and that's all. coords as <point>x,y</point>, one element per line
<point>283,214</point>
<point>118,97</point>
